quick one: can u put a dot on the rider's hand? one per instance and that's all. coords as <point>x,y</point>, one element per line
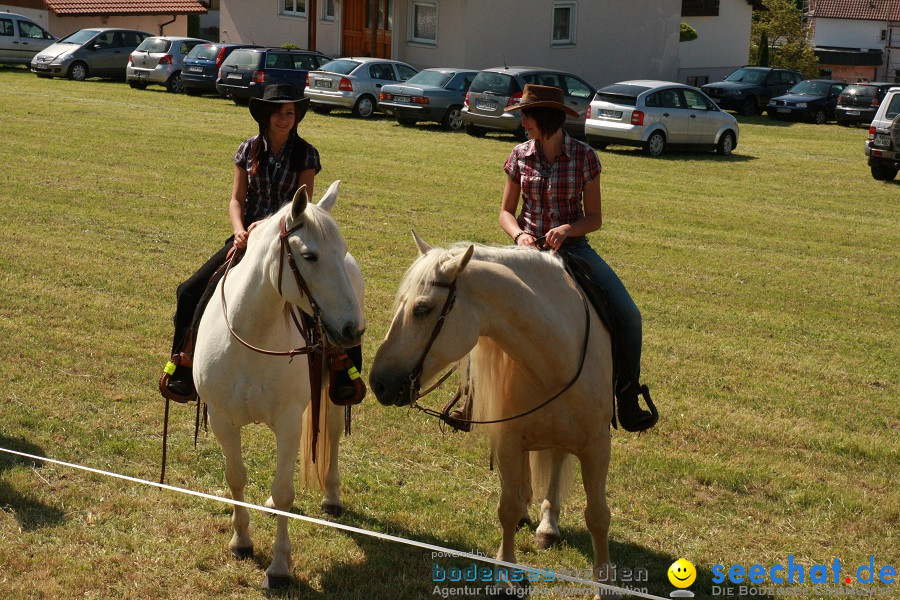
<point>526,239</point>
<point>556,236</point>
<point>240,239</point>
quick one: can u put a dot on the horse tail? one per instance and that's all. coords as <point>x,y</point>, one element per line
<point>542,462</point>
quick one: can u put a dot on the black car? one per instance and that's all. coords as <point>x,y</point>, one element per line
<point>811,100</point>
<point>748,89</point>
<point>248,71</point>
<point>859,102</point>
<point>201,66</point>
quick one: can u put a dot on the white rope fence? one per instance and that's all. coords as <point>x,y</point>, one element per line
<point>445,552</point>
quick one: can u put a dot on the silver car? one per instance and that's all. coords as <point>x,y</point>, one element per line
<point>353,83</point>
<point>159,59</point>
<point>21,38</point>
<point>101,52</point>
<point>429,95</point>
<point>495,89</point>
<point>656,115</point>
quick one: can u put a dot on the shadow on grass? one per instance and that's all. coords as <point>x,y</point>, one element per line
<point>679,155</point>
<point>30,513</point>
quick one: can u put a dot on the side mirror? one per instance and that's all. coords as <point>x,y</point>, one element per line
<point>95,47</point>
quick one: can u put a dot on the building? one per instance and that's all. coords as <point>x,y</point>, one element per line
<point>723,39</point>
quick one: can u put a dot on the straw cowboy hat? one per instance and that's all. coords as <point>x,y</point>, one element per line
<point>281,93</point>
<point>535,96</point>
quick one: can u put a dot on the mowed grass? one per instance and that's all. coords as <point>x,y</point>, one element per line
<point>768,283</point>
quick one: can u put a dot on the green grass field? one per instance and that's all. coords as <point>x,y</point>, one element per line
<point>768,283</point>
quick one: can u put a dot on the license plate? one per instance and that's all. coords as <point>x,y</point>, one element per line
<point>612,114</point>
<point>882,140</point>
<point>486,105</point>
<point>324,83</point>
<point>853,113</point>
<point>784,110</point>
<point>196,69</point>
<point>40,67</point>
<point>234,76</point>
<point>402,99</point>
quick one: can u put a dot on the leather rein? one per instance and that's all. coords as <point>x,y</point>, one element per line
<point>415,377</point>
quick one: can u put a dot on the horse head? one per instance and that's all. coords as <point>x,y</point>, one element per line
<point>435,324</point>
<point>320,284</point>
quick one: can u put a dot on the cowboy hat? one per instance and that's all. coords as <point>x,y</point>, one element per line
<point>281,93</point>
<point>536,96</point>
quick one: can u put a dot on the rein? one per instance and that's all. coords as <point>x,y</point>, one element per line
<point>416,375</point>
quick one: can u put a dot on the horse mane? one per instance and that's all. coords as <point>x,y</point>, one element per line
<point>421,274</point>
<point>315,219</point>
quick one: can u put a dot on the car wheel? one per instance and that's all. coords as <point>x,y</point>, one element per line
<point>174,85</point>
<point>819,117</point>
<point>191,91</point>
<point>655,144</point>
<point>406,122</point>
<point>599,145</point>
<point>453,119</point>
<point>726,144</point>
<point>748,107</point>
<point>78,71</point>
<point>321,110</point>
<point>137,85</point>
<point>520,134</point>
<point>239,101</point>
<point>475,131</point>
<point>884,172</point>
<point>364,107</point>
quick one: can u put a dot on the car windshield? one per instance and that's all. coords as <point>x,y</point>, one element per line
<point>747,76</point>
<point>499,84</point>
<point>79,37</point>
<point>811,88</point>
<point>204,52</point>
<point>860,90</point>
<point>154,45</point>
<point>242,58</point>
<point>340,66</point>
<point>435,78</point>
<point>618,93</point>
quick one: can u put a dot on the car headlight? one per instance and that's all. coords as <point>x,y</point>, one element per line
<point>801,105</point>
<point>771,103</point>
<point>734,92</point>
<point>62,58</point>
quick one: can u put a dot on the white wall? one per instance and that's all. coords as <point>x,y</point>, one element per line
<point>850,33</point>
<point>63,26</point>
<point>722,44</point>
<point>259,22</point>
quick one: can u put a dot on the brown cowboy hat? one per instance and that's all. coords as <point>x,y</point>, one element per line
<point>281,93</point>
<point>535,96</point>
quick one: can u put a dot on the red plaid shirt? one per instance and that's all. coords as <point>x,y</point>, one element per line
<point>551,193</point>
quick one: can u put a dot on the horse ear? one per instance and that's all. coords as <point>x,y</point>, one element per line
<point>299,203</point>
<point>421,244</point>
<point>458,263</point>
<point>331,195</point>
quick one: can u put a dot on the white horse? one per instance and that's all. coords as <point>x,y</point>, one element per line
<point>527,330</point>
<point>242,386</point>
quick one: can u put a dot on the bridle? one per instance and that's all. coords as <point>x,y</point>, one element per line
<point>415,377</point>
<point>312,335</point>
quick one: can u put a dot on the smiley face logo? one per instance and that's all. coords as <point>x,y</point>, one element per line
<point>682,573</point>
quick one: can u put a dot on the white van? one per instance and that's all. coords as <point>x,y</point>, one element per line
<point>21,38</point>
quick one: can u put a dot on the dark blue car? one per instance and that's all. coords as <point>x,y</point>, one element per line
<point>247,72</point>
<point>810,100</point>
<point>201,66</point>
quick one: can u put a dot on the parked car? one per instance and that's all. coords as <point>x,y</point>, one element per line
<point>859,102</point>
<point>101,52</point>
<point>201,66</point>
<point>429,95</point>
<point>21,38</point>
<point>247,72</point>
<point>883,144</point>
<point>657,115</point>
<point>353,83</point>
<point>495,89</point>
<point>810,100</point>
<point>747,90</point>
<point>159,59</point>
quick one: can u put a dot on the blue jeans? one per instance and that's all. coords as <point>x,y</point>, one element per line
<point>623,307</point>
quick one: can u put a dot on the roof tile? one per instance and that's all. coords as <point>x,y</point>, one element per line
<point>124,7</point>
<point>869,10</point>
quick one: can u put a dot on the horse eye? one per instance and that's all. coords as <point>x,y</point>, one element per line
<point>310,256</point>
<point>421,310</point>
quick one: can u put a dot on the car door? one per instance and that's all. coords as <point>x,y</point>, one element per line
<point>103,55</point>
<point>578,97</point>
<point>380,74</point>
<point>8,39</point>
<point>833,93</point>
<point>32,39</point>
<point>674,115</point>
<point>703,118</point>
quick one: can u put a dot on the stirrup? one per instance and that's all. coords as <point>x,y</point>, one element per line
<point>343,364</point>
<point>458,418</point>
<point>645,420</point>
<point>168,371</point>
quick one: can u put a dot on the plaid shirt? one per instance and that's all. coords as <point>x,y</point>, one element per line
<point>274,182</point>
<point>551,193</point>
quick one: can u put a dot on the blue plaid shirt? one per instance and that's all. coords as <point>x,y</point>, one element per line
<point>275,182</point>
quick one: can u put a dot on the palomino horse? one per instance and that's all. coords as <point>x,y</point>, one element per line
<point>241,385</point>
<point>529,336</point>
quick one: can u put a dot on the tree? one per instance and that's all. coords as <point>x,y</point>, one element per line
<point>688,33</point>
<point>787,35</point>
<point>762,55</point>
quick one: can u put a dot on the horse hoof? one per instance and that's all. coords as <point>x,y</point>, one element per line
<point>277,582</point>
<point>242,553</point>
<point>525,522</point>
<point>545,541</point>
<point>269,503</point>
<point>332,510</point>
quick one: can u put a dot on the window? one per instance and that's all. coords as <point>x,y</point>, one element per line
<point>423,20</point>
<point>695,101</point>
<point>577,88</point>
<point>697,80</point>
<point>699,8</point>
<point>405,72</point>
<point>30,30</point>
<point>295,8</point>
<point>563,24</point>
<point>328,10</point>
<point>6,27</point>
<point>381,71</point>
